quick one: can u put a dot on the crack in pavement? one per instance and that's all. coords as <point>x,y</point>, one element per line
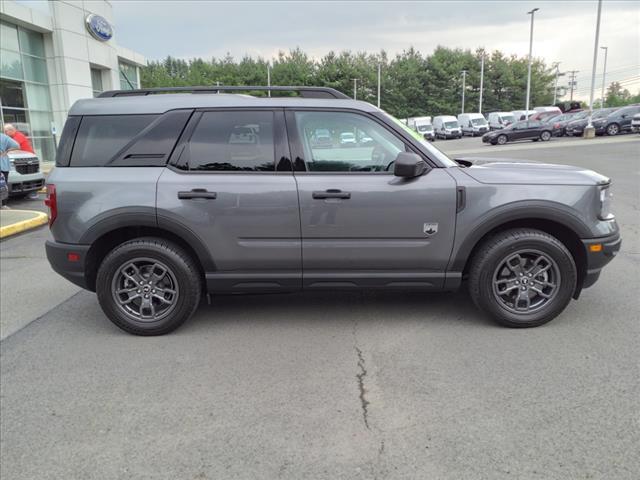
<point>364,403</point>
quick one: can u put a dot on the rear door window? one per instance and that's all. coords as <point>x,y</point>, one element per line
<point>100,138</point>
<point>239,141</point>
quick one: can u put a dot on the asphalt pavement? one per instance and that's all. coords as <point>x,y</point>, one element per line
<point>335,385</point>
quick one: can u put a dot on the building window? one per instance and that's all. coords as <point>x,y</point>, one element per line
<point>128,76</point>
<point>96,81</point>
<point>25,99</point>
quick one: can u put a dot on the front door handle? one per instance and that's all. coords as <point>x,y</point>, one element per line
<point>331,194</point>
<point>198,193</point>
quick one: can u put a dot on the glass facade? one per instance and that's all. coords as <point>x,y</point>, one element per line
<point>128,76</point>
<point>96,81</point>
<point>25,100</point>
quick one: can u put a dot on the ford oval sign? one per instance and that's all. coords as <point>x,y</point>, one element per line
<point>99,28</point>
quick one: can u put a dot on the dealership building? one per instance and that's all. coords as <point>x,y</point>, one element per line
<point>53,53</point>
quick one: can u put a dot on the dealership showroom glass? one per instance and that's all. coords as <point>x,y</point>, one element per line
<point>52,54</point>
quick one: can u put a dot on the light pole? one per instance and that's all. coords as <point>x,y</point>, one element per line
<point>379,85</point>
<point>532,13</point>
<point>464,78</point>
<point>481,82</point>
<point>268,79</point>
<point>604,73</point>
<point>355,88</point>
<point>589,131</point>
<point>555,88</point>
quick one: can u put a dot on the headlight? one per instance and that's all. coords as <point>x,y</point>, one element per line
<point>605,203</point>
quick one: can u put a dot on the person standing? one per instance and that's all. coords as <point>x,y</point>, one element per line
<point>6,144</point>
<point>19,137</point>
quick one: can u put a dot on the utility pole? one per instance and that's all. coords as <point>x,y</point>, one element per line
<point>572,81</point>
<point>532,13</point>
<point>589,131</point>
<point>555,88</point>
<point>464,78</point>
<point>604,74</point>
<point>355,88</point>
<point>481,81</point>
<point>268,78</point>
<point>379,66</point>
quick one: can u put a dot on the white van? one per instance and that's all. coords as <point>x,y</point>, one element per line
<point>446,126</point>
<point>498,120</point>
<point>473,124</point>
<point>422,125</point>
<point>522,114</point>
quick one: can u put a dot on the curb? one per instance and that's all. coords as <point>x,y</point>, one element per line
<point>24,225</point>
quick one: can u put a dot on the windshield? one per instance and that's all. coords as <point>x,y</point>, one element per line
<point>508,118</point>
<point>446,161</point>
<point>425,128</point>
<point>453,124</point>
<point>478,121</point>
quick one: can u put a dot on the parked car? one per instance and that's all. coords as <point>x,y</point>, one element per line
<point>158,221</point>
<point>348,139</point>
<point>446,127</point>
<point>524,130</point>
<point>576,127</point>
<point>26,175</point>
<point>321,138</point>
<point>635,123</point>
<point>4,189</point>
<point>559,123</point>
<point>473,124</point>
<point>541,116</point>
<point>519,115</point>
<point>498,120</point>
<point>616,122</point>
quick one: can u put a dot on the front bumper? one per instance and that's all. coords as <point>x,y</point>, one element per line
<point>598,257</point>
<point>74,271</point>
<point>24,183</point>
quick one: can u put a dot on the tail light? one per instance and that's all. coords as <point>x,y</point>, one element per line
<point>52,202</point>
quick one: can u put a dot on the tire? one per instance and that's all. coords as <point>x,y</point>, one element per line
<point>545,136</point>
<point>613,129</point>
<point>149,256</point>
<point>491,288</point>
<point>502,139</point>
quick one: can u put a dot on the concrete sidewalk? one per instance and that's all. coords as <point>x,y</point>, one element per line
<point>17,221</point>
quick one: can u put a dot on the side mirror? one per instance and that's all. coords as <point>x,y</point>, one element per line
<point>409,165</point>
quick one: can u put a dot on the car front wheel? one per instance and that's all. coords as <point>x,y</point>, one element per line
<point>613,129</point>
<point>148,286</point>
<point>522,277</point>
<point>502,139</point>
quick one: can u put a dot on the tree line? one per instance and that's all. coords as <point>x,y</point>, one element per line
<point>412,84</point>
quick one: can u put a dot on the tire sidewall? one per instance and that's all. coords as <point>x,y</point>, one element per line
<point>155,251</point>
<point>615,126</point>
<point>568,274</point>
<point>545,136</point>
<point>502,137</point>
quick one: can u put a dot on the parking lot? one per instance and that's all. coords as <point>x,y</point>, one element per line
<point>330,385</point>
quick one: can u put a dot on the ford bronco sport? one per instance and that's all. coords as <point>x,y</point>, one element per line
<point>162,196</point>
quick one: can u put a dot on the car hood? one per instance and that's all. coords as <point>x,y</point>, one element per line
<point>14,154</point>
<point>526,172</point>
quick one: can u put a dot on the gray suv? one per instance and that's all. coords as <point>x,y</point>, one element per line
<point>159,199</point>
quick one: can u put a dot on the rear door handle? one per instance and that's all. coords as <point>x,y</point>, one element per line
<point>198,193</point>
<point>331,194</point>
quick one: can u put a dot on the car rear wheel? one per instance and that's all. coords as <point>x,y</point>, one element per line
<point>148,286</point>
<point>502,139</point>
<point>522,277</point>
<point>545,136</point>
<point>613,129</point>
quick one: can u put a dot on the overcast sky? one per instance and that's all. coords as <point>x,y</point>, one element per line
<point>564,30</point>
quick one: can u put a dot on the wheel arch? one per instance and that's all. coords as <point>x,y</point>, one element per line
<point>568,229</point>
<point>107,236</point>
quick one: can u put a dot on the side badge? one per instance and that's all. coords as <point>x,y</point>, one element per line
<point>430,229</point>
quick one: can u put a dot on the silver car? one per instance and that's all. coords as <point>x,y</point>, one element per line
<point>26,175</point>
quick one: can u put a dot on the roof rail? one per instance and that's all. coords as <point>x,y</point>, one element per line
<point>306,92</point>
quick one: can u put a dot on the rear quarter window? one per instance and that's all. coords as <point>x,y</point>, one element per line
<point>100,138</point>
